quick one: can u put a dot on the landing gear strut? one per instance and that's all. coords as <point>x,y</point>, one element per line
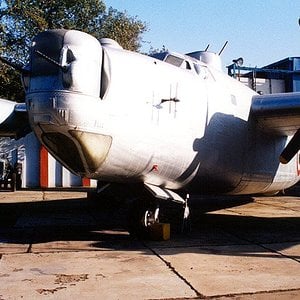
<point>186,224</point>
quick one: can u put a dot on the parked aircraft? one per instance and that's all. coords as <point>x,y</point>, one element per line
<point>175,124</point>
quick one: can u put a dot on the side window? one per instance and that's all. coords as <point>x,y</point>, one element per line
<point>201,71</point>
<point>187,65</point>
<point>105,75</point>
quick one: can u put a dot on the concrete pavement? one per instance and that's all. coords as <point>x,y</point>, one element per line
<point>58,245</point>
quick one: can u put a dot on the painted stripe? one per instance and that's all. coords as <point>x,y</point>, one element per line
<point>43,167</point>
<point>298,163</point>
<point>86,182</point>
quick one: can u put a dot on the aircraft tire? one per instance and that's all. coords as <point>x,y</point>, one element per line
<point>137,218</point>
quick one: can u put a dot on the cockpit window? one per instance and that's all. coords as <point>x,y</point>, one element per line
<point>187,65</point>
<point>70,56</point>
<point>197,68</point>
<point>173,60</point>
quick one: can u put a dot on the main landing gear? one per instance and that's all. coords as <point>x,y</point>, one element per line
<point>151,217</point>
<point>145,207</point>
<point>149,211</point>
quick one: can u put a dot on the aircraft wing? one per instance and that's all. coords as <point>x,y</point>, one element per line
<point>279,114</point>
<point>13,119</point>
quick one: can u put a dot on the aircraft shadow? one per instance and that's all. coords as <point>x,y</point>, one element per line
<point>103,226</point>
<point>230,152</point>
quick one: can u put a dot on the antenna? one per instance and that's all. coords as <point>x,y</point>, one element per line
<point>206,47</point>
<point>223,47</point>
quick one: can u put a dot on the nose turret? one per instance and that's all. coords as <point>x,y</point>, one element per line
<point>66,60</point>
<point>63,92</point>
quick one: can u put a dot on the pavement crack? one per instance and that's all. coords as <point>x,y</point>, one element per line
<point>251,242</point>
<point>279,253</point>
<point>173,270</point>
<point>253,294</point>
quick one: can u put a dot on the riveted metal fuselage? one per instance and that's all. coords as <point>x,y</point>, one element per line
<point>114,115</point>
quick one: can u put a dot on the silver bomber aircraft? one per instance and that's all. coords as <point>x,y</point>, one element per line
<point>173,124</point>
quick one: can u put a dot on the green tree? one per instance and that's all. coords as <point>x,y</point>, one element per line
<point>122,28</point>
<point>21,20</point>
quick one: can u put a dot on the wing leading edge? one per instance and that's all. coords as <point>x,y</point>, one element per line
<point>13,119</point>
<point>279,114</point>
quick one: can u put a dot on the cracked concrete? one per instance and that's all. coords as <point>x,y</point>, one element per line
<point>59,245</point>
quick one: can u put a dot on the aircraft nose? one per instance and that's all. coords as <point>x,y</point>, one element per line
<point>68,76</point>
<point>66,60</point>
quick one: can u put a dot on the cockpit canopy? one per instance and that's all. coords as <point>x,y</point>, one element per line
<point>175,59</point>
<point>191,61</point>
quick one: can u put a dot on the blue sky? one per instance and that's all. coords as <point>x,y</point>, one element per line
<point>261,32</point>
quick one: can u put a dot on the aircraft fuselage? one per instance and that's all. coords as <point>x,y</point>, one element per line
<point>114,115</point>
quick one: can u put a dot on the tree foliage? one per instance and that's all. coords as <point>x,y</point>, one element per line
<point>122,28</point>
<point>21,20</point>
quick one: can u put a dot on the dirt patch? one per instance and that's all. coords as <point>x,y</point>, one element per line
<point>49,291</point>
<point>63,278</point>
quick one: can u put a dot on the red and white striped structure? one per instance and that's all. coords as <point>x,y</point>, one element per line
<point>40,169</point>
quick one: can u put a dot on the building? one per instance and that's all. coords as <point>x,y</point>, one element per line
<point>280,77</point>
<point>39,168</point>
